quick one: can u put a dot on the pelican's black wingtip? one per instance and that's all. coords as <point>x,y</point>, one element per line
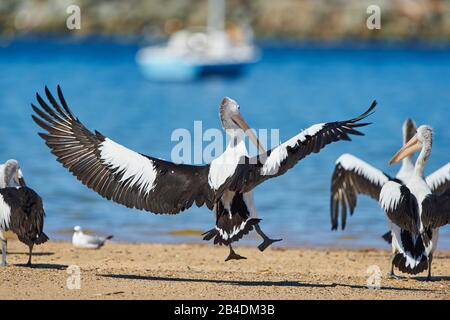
<point>368,113</point>
<point>371,109</point>
<point>33,106</point>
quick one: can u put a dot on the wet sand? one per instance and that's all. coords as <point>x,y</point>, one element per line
<point>196,271</point>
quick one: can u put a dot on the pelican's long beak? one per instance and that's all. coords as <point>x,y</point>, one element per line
<point>244,126</point>
<point>20,180</point>
<point>408,149</point>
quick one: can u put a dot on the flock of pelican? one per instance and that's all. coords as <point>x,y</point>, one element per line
<point>415,206</point>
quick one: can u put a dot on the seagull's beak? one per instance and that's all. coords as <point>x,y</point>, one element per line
<point>408,149</point>
<point>240,122</point>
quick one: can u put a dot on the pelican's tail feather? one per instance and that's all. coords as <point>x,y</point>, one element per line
<point>412,257</point>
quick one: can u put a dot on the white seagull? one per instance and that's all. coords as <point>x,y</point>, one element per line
<point>86,241</point>
<point>148,183</point>
<point>414,211</point>
<point>353,176</point>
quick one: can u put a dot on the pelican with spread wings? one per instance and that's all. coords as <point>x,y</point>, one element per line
<point>162,187</point>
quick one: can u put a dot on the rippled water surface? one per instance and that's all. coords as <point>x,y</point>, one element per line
<point>290,89</point>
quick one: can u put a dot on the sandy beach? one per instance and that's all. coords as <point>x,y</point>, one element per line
<point>197,271</point>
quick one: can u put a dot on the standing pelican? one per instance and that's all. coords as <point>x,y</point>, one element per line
<point>22,212</point>
<point>353,176</point>
<point>10,177</point>
<point>414,211</point>
<point>147,183</point>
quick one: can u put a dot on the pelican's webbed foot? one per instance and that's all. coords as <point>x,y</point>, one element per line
<point>394,276</point>
<point>266,240</point>
<point>391,274</point>
<point>234,256</point>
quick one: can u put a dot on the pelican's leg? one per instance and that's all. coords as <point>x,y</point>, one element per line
<point>233,255</point>
<point>266,240</point>
<point>430,260</point>
<point>29,255</point>
<point>392,274</point>
<point>4,243</point>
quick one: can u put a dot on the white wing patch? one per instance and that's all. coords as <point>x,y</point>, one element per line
<point>362,168</point>
<point>5,214</point>
<point>311,131</point>
<point>279,153</point>
<point>273,162</point>
<point>390,196</point>
<point>439,177</point>
<point>130,164</point>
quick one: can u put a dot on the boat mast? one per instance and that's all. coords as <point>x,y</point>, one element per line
<point>216,15</point>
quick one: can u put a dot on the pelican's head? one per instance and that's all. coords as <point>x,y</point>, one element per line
<point>13,174</point>
<point>423,137</point>
<point>77,229</point>
<point>409,130</point>
<point>233,122</point>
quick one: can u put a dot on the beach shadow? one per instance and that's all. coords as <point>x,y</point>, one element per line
<point>250,283</point>
<point>37,254</point>
<point>385,288</point>
<point>51,266</point>
<point>433,279</point>
<point>216,281</point>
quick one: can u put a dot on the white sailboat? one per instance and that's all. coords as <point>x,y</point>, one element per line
<point>195,52</point>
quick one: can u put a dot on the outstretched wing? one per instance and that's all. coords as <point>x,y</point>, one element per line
<point>439,181</point>
<point>400,205</point>
<point>251,172</point>
<point>115,172</point>
<point>353,176</point>
<point>436,210</point>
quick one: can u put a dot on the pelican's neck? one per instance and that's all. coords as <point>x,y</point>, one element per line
<point>236,137</point>
<point>422,159</point>
<point>236,143</point>
<point>407,164</point>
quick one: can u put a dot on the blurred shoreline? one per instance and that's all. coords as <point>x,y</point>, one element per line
<point>285,19</point>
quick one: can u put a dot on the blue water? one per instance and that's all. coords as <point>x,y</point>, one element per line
<point>290,89</point>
